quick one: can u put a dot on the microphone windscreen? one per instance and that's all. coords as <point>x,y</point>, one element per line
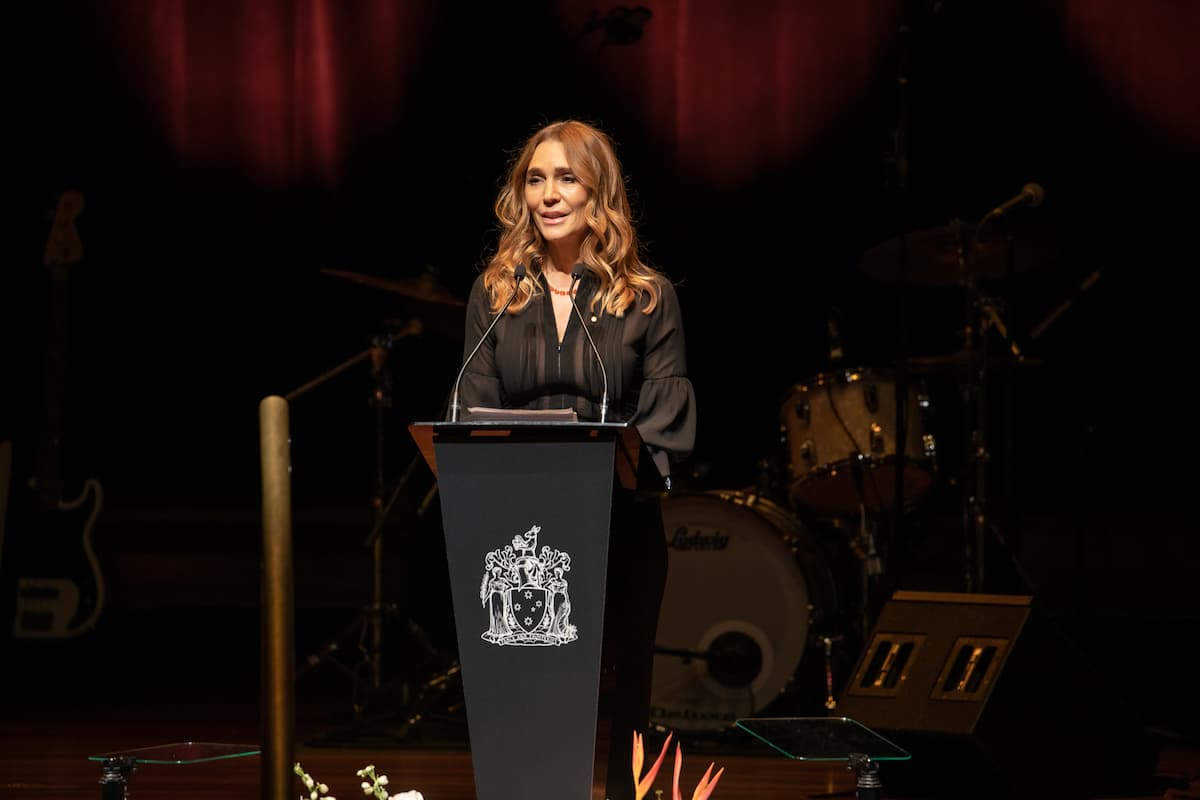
<point>1036,194</point>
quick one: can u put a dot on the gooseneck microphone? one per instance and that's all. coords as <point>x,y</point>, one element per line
<point>576,274</point>
<point>518,276</point>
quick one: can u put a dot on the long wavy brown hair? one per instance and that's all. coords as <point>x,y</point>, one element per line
<point>610,250</point>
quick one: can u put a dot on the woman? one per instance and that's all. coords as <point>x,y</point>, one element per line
<point>564,204</point>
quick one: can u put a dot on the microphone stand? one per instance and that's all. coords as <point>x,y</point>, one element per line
<point>901,371</point>
<point>983,317</point>
<point>1003,533</point>
<point>973,404</point>
<point>1008,413</point>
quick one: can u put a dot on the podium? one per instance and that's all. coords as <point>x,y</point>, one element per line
<point>526,509</point>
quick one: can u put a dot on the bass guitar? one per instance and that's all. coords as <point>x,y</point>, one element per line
<point>59,589</point>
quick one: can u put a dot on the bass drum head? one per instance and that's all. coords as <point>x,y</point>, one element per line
<point>743,581</point>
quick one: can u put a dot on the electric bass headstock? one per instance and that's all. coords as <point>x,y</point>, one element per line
<point>63,246</point>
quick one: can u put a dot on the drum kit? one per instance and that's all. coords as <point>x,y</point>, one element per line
<point>770,586</point>
<point>766,618</point>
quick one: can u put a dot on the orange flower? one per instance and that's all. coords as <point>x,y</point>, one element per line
<point>706,785</point>
<point>639,756</point>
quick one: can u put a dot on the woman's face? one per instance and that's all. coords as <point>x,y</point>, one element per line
<point>554,196</point>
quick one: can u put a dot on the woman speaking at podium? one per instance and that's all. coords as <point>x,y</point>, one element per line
<point>591,327</point>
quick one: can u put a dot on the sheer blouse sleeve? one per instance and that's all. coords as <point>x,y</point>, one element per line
<point>666,408</point>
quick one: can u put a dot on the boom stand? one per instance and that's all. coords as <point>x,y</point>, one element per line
<point>367,675</point>
<point>983,317</point>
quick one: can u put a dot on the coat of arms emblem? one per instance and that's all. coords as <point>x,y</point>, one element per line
<point>526,594</point>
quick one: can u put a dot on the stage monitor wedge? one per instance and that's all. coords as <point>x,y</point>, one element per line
<point>992,699</point>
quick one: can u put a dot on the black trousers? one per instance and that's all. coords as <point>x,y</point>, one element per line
<point>637,577</point>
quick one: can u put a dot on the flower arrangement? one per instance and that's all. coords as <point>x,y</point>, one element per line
<point>643,782</point>
<point>375,785</point>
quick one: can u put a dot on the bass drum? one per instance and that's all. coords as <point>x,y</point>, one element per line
<point>745,583</point>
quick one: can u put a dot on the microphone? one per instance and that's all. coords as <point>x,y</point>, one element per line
<point>518,275</point>
<point>576,274</point>
<point>1032,195</point>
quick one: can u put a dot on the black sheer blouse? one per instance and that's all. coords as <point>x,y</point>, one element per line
<point>523,365</point>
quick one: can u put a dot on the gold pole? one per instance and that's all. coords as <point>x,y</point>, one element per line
<point>278,671</point>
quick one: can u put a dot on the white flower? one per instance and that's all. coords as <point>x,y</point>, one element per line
<point>373,785</point>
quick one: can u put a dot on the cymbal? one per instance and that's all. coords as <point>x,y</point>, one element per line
<point>424,287</point>
<point>441,320</point>
<point>933,254</point>
<point>961,360</point>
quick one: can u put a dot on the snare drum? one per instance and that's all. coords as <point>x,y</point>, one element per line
<point>840,429</point>
<point>745,580</point>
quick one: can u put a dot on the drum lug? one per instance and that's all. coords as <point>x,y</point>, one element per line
<point>923,402</point>
<point>929,445</point>
<point>808,451</point>
<point>804,410</point>
<point>875,437</point>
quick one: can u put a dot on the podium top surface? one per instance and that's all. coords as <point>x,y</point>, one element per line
<point>634,466</point>
<point>822,738</point>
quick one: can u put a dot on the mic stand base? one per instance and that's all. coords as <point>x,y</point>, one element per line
<point>869,786</point>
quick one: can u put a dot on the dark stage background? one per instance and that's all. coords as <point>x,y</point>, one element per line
<point>230,152</point>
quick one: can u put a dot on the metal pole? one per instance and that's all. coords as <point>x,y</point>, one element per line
<point>278,675</point>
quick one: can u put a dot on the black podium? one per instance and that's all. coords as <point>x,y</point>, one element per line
<point>526,508</point>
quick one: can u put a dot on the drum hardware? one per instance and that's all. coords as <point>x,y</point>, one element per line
<point>365,634</point>
<point>1087,283</point>
<point>827,643</point>
<point>733,659</point>
<point>983,315</point>
<point>978,519</point>
<point>861,536</point>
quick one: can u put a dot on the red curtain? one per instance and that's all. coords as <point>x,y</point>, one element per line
<point>274,87</point>
<point>1145,53</point>
<point>737,88</point>
<point>731,89</point>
